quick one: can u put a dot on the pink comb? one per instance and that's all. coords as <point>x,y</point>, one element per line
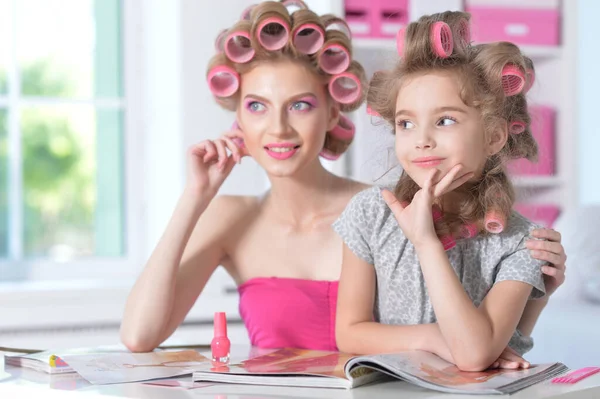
<point>575,376</point>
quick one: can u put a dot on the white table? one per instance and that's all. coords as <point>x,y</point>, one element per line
<point>29,383</point>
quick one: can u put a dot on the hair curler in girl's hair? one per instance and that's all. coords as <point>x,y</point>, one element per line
<point>436,213</point>
<point>345,88</point>
<point>237,46</point>
<point>344,130</point>
<point>513,80</point>
<point>223,81</point>
<point>247,12</point>
<point>308,34</point>
<point>334,57</point>
<point>464,32</point>
<point>530,74</point>
<point>448,242</point>
<point>516,127</point>
<point>442,42</point>
<point>294,5</point>
<point>220,41</point>
<point>272,25</point>
<point>400,40</point>
<point>494,222</point>
<point>333,23</point>
<point>469,230</point>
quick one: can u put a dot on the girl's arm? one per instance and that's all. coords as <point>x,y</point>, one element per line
<point>355,330</point>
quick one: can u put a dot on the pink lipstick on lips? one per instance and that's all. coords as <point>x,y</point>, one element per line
<point>427,162</point>
<point>281,151</point>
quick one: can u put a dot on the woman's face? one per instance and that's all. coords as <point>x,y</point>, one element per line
<point>284,114</point>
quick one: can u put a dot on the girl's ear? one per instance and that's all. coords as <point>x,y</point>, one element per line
<point>498,139</point>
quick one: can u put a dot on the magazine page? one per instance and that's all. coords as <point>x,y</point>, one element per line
<point>430,371</point>
<point>117,368</point>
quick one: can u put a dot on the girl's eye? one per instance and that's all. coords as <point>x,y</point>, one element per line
<point>301,106</point>
<point>255,106</point>
<point>404,124</point>
<point>447,121</point>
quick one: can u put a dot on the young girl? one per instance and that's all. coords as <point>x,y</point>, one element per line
<point>443,258</point>
<point>286,76</point>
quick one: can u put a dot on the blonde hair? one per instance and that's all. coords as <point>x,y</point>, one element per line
<point>482,73</point>
<point>257,17</point>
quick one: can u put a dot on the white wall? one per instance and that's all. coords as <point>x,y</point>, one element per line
<point>588,101</point>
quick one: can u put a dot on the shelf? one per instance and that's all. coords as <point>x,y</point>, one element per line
<point>536,181</point>
<point>379,44</point>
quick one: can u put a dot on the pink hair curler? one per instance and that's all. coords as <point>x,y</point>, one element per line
<point>344,130</point>
<point>530,74</point>
<point>238,47</point>
<point>464,32</point>
<point>371,112</point>
<point>436,213</point>
<point>329,155</point>
<point>220,41</point>
<point>516,127</point>
<point>308,38</point>
<point>247,11</point>
<point>294,5</point>
<point>334,59</point>
<point>513,80</point>
<point>345,88</point>
<point>469,230</point>
<point>400,41</point>
<point>442,43</point>
<point>448,242</point>
<point>334,23</point>
<point>273,33</point>
<point>223,81</point>
<point>494,222</point>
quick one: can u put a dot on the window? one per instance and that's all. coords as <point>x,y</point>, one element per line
<point>64,191</point>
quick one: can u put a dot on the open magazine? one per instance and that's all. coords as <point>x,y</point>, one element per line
<point>308,368</point>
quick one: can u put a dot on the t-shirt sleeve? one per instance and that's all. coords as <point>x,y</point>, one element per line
<point>355,224</point>
<point>519,265</point>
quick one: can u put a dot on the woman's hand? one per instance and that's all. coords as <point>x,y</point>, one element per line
<point>211,161</point>
<point>415,219</point>
<point>552,252</point>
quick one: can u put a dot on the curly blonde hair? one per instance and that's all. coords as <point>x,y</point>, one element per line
<point>481,71</point>
<point>336,42</point>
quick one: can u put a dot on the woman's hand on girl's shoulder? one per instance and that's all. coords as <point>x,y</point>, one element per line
<point>552,252</point>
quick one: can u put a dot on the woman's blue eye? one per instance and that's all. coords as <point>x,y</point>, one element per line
<point>301,106</point>
<point>256,106</point>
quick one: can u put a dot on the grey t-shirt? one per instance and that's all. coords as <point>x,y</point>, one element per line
<point>370,230</point>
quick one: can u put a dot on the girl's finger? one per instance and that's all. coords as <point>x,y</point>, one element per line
<point>428,184</point>
<point>459,182</point>
<point>442,186</point>
<point>508,364</point>
<point>548,234</point>
<point>392,202</point>
<point>235,151</point>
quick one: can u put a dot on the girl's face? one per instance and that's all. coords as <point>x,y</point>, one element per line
<point>436,129</point>
<point>284,114</point>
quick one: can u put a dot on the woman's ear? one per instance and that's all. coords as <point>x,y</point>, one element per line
<point>334,116</point>
<point>498,139</point>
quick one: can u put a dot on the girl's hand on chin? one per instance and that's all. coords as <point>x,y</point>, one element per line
<point>416,219</point>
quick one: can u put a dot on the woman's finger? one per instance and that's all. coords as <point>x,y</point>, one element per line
<point>549,246</point>
<point>235,151</point>
<point>553,272</point>
<point>222,151</point>
<point>554,259</point>
<point>548,234</point>
<point>211,151</point>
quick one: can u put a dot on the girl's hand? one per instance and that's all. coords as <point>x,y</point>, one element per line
<point>553,252</point>
<point>415,219</point>
<point>209,163</point>
<point>509,359</point>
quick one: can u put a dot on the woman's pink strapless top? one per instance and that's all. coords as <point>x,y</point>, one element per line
<point>289,312</point>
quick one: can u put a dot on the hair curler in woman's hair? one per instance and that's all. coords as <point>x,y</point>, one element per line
<point>516,127</point>
<point>220,41</point>
<point>308,34</point>
<point>333,23</point>
<point>294,5</point>
<point>345,88</point>
<point>400,40</point>
<point>237,46</point>
<point>344,130</point>
<point>223,81</point>
<point>272,25</point>
<point>513,80</point>
<point>334,57</point>
<point>330,156</point>
<point>247,12</point>
<point>469,230</point>
<point>371,112</point>
<point>494,222</point>
<point>442,42</point>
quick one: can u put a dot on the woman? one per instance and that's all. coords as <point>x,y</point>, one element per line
<point>279,248</point>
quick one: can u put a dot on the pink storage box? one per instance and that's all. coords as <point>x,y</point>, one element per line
<point>543,120</point>
<point>533,26</point>
<point>544,215</point>
<point>376,18</point>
